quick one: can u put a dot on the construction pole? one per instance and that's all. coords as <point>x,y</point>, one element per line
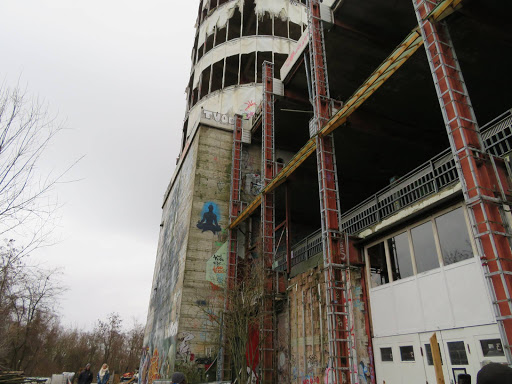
<point>267,324</point>
<point>336,269</point>
<point>235,207</point>
<point>484,179</point>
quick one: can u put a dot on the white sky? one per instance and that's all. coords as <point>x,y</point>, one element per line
<point>116,71</point>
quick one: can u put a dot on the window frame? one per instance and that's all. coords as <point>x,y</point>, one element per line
<point>430,218</point>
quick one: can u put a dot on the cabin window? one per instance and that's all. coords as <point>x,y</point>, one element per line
<point>400,253</point>
<point>407,353</point>
<point>454,237</point>
<point>492,348</point>
<point>378,266</point>
<point>386,354</point>
<point>457,351</point>
<point>424,247</point>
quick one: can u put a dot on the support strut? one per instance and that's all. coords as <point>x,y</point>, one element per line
<point>483,178</point>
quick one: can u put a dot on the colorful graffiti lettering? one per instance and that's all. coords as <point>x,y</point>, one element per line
<point>209,218</point>
<point>311,380</point>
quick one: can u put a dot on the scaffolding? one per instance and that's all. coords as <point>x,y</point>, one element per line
<point>335,243</point>
<point>483,177</point>
<point>268,318</point>
<point>235,207</point>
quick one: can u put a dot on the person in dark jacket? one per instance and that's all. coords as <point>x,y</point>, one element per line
<point>494,373</point>
<point>178,378</point>
<point>103,374</point>
<point>86,375</point>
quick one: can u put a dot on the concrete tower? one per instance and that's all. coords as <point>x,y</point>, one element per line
<point>233,39</point>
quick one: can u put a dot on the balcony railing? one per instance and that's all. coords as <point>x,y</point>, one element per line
<point>426,180</point>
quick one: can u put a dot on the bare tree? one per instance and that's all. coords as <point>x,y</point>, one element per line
<point>111,337</point>
<point>26,130</point>
<point>240,321</point>
<point>31,301</point>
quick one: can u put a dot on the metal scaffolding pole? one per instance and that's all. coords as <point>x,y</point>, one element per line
<point>235,207</point>
<point>335,243</point>
<point>268,322</point>
<point>484,180</point>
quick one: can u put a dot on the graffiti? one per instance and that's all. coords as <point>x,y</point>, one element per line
<point>253,184</point>
<point>219,117</point>
<point>221,185</point>
<point>209,218</point>
<point>372,371</point>
<point>311,380</point>
<point>184,347</point>
<point>330,377</point>
<point>173,329</point>
<point>250,109</point>
<point>144,366</point>
<point>364,373</point>
<point>153,368</point>
<point>216,267</point>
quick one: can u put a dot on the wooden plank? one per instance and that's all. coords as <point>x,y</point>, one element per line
<point>436,357</point>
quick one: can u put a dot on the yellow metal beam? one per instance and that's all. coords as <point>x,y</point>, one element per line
<point>444,9</point>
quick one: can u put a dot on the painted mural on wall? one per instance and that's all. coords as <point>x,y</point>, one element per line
<point>216,267</point>
<point>210,218</point>
<point>165,302</point>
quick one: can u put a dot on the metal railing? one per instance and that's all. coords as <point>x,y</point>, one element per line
<point>426,180</point>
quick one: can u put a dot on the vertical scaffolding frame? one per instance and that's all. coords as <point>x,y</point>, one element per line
<point>268,318</point>
<point>483,178</point>
<point>235,207</point>
<point>335,243</point>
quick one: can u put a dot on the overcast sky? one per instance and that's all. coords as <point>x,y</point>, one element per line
<point>116,72</point>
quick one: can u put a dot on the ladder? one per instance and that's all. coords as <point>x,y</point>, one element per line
<point>336,265</point>
<point>235,207</point>
<point>268,318</point>
<point>484,180</point>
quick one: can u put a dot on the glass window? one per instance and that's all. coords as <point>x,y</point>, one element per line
<point>401,262</point>
<point>457,351</point>
<point>407,353</point>
<point>454,237</point>
<point>492,347</point>
<point>378,266</point>
<point>386,354</point>
<point>424,245</point>
<point>430,359</point>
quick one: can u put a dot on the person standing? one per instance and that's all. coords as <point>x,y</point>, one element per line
<point>103,374</point>
<point>86,375</point>
<point>494,373</point>
<point>178,378</point>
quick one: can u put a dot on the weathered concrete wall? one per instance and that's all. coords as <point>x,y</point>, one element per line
<point>162,323</point>
<point>205,265</point>
<point>306,327</point>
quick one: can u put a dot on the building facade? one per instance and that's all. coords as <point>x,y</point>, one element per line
<point>233,39</point>
<point>397,230</point>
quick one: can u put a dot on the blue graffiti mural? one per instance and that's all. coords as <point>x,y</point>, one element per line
<point>210,217</point>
